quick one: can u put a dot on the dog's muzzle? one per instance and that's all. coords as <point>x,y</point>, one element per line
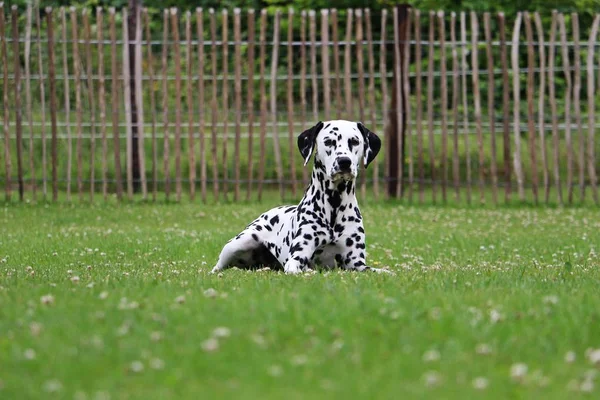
<point>343,169</point>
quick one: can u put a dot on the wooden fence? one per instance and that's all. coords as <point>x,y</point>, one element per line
<point>209,103</point>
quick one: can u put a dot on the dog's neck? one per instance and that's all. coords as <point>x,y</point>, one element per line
<point>329,198</point>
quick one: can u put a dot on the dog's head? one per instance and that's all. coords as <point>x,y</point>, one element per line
<point>340,147</point>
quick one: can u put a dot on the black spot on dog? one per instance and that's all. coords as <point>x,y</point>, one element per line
<point>255,237</point>
<point>274,220</point>
<point>357,211</point>
<point>349,242</point>
<point>296,247</point>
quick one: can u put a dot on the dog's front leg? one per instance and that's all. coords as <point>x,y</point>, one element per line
<point>302,249</point>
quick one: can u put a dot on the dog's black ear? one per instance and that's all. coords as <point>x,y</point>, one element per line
<point>306,141</point>
<point>372,144</point>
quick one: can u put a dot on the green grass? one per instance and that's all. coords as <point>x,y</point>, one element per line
<point>476,291</point>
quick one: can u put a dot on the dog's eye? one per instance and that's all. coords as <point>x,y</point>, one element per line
<point>328,142</point>
<point>353,142</point>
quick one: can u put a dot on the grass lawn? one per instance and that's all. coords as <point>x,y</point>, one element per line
<point>115,301</point>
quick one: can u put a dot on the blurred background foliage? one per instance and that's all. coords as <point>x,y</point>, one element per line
<point>509,7</point>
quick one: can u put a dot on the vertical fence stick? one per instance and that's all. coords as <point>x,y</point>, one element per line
<point>91,102</point>
<point>455,94</point>
<point>542,95</point>
<point>491,106</point>
<point>190,105</point>
<point>115,103</point>
<point>303,83</point>
<point>444,103</point>
<point>568,94</point>
<point>165,104</point>
<point>591,108</point>
<point>53,124</point>
<point>419,104</point>
<point>67,89</point>
<point>78,105</point>
<point>530,106</point>
<point>28,98</point>
<point>371,91</point>
<point>505,108</point>
<point>336,63</point>
<point>139,100</point>
<point>225,98</point>
<point>477,102</point>
<point>577,102</point>
<point>18,115</point>
<point>237,37</point>
<point>400,35</point>
<point>7,156</point>
<point>42,105</point>
<point>516,106</point>
<point>313,64</point>
<point>151,83</point>
<point>430,83</point>
<point>384,89</point>
<point>201,108</point>
<point>552,95</point>
<point>127,103</point>
<point>361,83</point>
<point>101,98</point>
<point>263,102</point>
<point>273,97</point>
<point>213,103</point>
<point>325,62</point>
<point>360,64</point>
<point>5,91</point>
<point>463,73</point>
<point>290,99</point>
<point>250,102</point>
<point>348,63</point>
<point>177,56</point>
<point>407,113</point>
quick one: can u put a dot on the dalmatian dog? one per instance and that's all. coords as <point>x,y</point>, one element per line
<point>326,228</point>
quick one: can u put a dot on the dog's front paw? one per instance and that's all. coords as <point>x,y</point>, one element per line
<point>292,267</point>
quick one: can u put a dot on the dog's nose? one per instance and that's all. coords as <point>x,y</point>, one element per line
<point>344,163</point>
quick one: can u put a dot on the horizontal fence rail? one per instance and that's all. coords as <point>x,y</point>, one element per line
<point>208,103</point>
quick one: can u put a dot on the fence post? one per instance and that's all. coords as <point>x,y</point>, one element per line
<point>18,116</point>
<point>133,18</point>
<point>7,160</point>
<point>394,130</point>
<point>51,78</point>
